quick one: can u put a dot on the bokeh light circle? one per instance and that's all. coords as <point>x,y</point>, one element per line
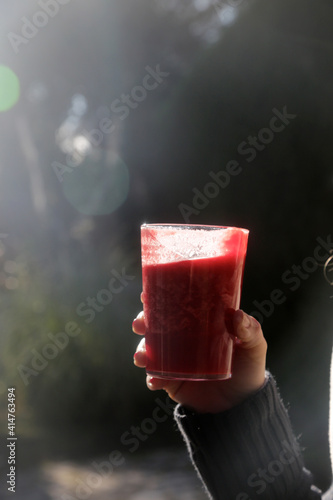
<point>9,88</point>
<point>97,187</point>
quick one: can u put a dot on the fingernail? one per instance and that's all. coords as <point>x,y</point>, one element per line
<point>246,321</point>
<point>150,382</point>
<point>139,316</point>
<point>141,347</point>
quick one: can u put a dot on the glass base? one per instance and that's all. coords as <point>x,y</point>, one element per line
<point>189,376</point>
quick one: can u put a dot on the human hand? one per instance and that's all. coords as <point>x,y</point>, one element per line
<point>248,370</point>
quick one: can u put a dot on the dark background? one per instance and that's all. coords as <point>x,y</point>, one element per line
<point>229,66</point>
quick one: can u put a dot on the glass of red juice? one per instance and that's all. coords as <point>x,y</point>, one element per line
<point>192,279</point>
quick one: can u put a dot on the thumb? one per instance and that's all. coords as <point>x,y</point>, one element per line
<point>248,332</point>
<point>250,352</point>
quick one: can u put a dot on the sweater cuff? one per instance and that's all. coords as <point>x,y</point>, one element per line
<point>248,451</point>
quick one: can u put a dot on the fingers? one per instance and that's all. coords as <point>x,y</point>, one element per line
<point>155,384</point>
<point>138,325</point>
<point>170,386</point>
<point>140,357</point>
<point>248,331</point>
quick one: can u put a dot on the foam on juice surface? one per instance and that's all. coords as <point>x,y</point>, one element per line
<point>172,244</point>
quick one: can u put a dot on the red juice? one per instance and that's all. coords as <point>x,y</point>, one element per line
<point>186,304</point>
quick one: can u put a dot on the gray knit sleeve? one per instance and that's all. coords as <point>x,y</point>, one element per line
<point>248,452</point>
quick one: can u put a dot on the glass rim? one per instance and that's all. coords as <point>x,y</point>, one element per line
<point>206,227</point>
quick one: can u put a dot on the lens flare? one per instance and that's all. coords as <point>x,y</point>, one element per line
<point>9,88</point>
<point>97,187</point>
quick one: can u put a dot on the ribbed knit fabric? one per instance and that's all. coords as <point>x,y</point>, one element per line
<point>248,452</point>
